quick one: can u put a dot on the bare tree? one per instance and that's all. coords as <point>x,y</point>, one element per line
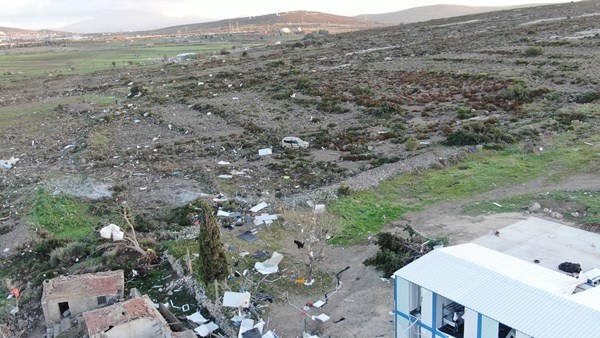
<point>313,230</point>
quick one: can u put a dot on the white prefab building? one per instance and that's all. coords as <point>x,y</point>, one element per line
<point>471,291</point>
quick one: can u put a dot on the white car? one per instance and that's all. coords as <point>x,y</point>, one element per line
<point>293,142</point>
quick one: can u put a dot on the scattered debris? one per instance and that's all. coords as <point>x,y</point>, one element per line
<point>248,236</point>
<point>197,318</point>
<point>264,219</point>
<point>322,317</point>
<point>223,163</point>
<point>569,267</point>
<point>260,254</point>
<point>319,208</point>
<point>206,329</point>
<point>112,231</point>
<point>318,304</point>
<point>299,244</point>
<point>497,204</point>
<point>270,334</point>
<point>259,207</point>
<point>265,151</point>
<point>338,284</point>
<point>8,164</point>
<point>236,299</point>
<point>221,213</point>
<point>269,266</point>
<point>339,320</point>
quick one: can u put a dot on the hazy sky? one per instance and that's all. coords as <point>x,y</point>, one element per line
<point>36,14</point>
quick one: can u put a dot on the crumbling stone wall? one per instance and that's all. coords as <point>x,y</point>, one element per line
<point>200,295</point>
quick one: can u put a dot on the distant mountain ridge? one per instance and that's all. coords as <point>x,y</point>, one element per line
<point>292,18</point>
<point>125,21</point>
<point>426,13</point>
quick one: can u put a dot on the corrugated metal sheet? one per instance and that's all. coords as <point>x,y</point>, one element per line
<point>522,295</point>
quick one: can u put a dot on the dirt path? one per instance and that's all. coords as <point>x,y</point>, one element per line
<point>444,218</point>
<point>364,299</point>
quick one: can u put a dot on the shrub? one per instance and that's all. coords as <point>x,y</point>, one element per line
<point>465,113</point>
<point>385,111</point>
<point>478,133</point>
<point>533,51</point>
<point>412,144</point>
<point>515,92</point>
<point>67,254</point>
<point>588,97</point>
<point>304,84</point>
<point>330,105</point>
<point>344,190</point>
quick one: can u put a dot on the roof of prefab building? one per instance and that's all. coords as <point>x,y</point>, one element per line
<point>549,242</point>
<point>530,298</point>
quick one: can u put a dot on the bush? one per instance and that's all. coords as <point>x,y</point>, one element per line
<point>465,113</point>
<point>478,133</point>
<point>392,255</point>
<point>344,190</point>
<point>516,93</point>
<point>384,111</point>
<point>588,97</point>
<point>68,254</point>
<point>304,84</point>
<point>533,51</point>
<point>412,144</point>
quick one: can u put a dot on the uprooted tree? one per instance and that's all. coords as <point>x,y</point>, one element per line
<point>213,264</point>
<point>149,256</point>
<point>397,251</point>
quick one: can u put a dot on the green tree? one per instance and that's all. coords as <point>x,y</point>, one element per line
<point>213,264</point>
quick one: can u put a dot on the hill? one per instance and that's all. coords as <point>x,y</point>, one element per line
<point>487,113</point>
<point>294,18</point>
<point>426,13</point>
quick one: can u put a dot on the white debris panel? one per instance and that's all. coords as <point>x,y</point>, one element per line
<point>197,318</point>
<point>236,299</point>
<point>112,231</point>
<point>269,266</point>
<point>259,207</point>
<point>206,329</point>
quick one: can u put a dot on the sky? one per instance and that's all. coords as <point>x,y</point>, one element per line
<point>38,14</point>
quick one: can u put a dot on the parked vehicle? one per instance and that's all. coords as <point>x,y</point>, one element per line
<point>293,142</point>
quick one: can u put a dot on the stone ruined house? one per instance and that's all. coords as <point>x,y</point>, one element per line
<point>65,297</point>
<point>136,317</point>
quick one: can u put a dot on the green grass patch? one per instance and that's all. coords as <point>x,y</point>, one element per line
<point>83,58</point>
<point>63,216</point>
<point>366,212</point>
<point>585,203</point>
<point>13,116</point>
